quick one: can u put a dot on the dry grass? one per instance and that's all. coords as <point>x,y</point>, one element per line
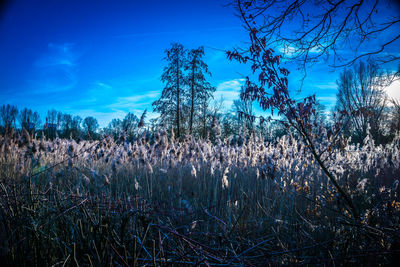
<point>163,202</point>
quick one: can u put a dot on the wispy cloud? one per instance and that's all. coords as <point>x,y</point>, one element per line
<point>103,85</point>
<point>228,91</point>
<point>328,99</point>
<point>290,50</point>
<point>135,100</point>
<point>55,70</point>
<point>57,55</point>
<point>326,86</point>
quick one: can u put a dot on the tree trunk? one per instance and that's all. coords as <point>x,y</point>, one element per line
<point>192,107</point>
<point>204,120</point>
<point>177,98</point>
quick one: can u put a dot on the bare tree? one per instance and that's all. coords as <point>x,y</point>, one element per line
<point>200,89</point>
<point>115,127</point>
<point>66,124</point>
<point>8,114</point>
<point>75,126</point>
<point>204,110</point>
<point>129,123</point>
<point>361,97</point>
<point>170,104</point>
<point>90,125</point>
<point>394,122</point>
<point>51,116</point>
<point>308,31</point>
<point>29,119</point>
<point>244,106</point>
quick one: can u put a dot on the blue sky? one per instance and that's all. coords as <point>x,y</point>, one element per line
<point>104,58</point>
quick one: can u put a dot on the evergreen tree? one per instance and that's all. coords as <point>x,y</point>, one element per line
<point>170,104</point>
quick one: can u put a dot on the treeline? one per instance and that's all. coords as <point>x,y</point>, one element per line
<point>56,124</point>
<point>186,108</point>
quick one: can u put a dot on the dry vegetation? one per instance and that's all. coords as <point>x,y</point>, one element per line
<point>163,202</point>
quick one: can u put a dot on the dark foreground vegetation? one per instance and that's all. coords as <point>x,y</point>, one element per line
<point>158,201</point>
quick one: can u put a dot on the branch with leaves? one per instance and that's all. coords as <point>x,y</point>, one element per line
<point>272,94</point>
<point>310,31</point>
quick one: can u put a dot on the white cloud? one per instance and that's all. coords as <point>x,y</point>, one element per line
<point>135,100</point>
<point>327,86</point>
<point>291,51</point>
<point>288,50</point>
<point>228,91</point>
<point>329,99</point>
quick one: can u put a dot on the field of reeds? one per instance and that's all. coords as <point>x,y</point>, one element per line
<point>160,202</point>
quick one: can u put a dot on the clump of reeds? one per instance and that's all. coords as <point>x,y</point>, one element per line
<point>166,202</point>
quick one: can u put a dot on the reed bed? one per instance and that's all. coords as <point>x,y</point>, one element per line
<point>160,202</point>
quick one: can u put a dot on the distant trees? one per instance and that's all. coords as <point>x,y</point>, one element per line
<point>114,127</point>
<point>394,119</point>
<point>90,126</point>
<point>76,126</point>
<point>66,124</point>
<point>185,95</point>
<point>62,125</point>
<point>130,123</point>
<point>28,119</point>
<point>244,106</point>
<point>361,99</point>
<point>8,114</point>
<point>52,117</point>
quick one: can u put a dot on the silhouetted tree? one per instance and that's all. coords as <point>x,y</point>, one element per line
<point>66,125</point>
<point>170,103</point>
<point>129,123</point>
<point>200,90</point>
<point>90,125</point>
<point>362,99</point>
<point>29,119</point>
<point>394,121</point>
<point>114,127</point>
<point>52,117</point>
<point>75,126</point>
<point>244,106</point>
<point>50,126</point>
<point>272,92</point>
<point>309,31</point>
<point>8,114</point>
